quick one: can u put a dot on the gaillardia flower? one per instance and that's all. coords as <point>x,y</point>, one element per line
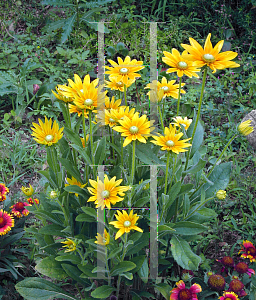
<point>124,70</point>
<point>19,209</point>
<point>125,223</point>
<point>33,201</point>
<point>170,141</point>
<point>227,261</point>
<point>114,84</point>
<point>103,240</point>
<point>3,191</point>
<point>210,56</point>
<point>28,191</point>
<point>107,193</point>
<point>216,282</point>
<point>229,296</point>
<point>180,64</point>
<point>6,222</point>
<point>170,89</point>
<point>221,195</point>
<point>136,128</point>
<point>73,181</point>
<point>236,286</point>
<point>184,122</point>
<point>70,244</point>
<point>46,133</point>
<point>244,128</point>
<point>249,251</point>
<point>243,268</point>
<point>182,293</point>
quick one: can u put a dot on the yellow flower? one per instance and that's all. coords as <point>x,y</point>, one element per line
<point>76,109</point>
<point>106,117</point>
<point>78,85</point>
<point>169,88</point>
<point>245,128</point>
<point>137,128</point>
<point>112,104</point>
<point>124,70</point>
<point>210,56</point>
<point>180,64</point>
<point>3,191</point>
<point>82,140</point>
<point>103,240</point>
<point>125,223</point>
<point>221,195</point>
<point>46,133</point>
<point>105,194</point>
<point>90,97</point>
<point>121,112</point>
<point>171,141</point>
<point>114,84</point>
<point>60,96</point>
<point>180,121</point>
<point>28,191</point>
<point>156,95</point>
<point>73,181</point>
<point>71,245</point>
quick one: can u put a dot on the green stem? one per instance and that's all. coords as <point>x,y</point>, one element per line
<point>163,99</point>
<point>122,151</point>
<point>69,125</point>
<point>91,141</point>
<point>178,104</point>
<point>122,258</point>
<point>222,153</point>
<point>112,138</point>
<point>106,257</point>
<point>161,118</point>
<point>125,95</point>
<point>166,172</point>
<point>79,291</point>
<point>197,117</point>
<point>133,160</point>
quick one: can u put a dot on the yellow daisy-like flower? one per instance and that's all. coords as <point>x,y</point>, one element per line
<point>61,97</point>
<point>171,141</point>
<point>107,193</point>
<point>137,128</point>
<point>114,84</point>
<point>78,85</point>
<point>82,140</point>
<point>156,95</point>
<point>77,110</point>
<point>125,223</point>
<point>210,56</point>
<point>71,245</point>
<point>113,104</point>
<point>73,181</point>
<point>106,118</point>
<point>121,112</point>
<point>103,240</point>
<point>90,97</point>
<point>180,121</point>
<point>124,70</point>
<point>169,88</point>
<point>245,128</point>
<point>28,191</point>
<point>179,64</point>
<point>46,133</point>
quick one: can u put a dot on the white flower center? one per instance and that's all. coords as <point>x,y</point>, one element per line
<point>49,137</point>
<point>208,58</point>
<point>123,70</point>
<point>81,90</point>
<point>88,102</point>
<point>105,194</point>
<point>111,120</point>
<point>182,65</point>
<point>165,88</point>
<point>127,223</point>
<point>169,143</point>
<point>133,129</point>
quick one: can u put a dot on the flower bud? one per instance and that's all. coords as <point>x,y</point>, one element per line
<point>221,195</point>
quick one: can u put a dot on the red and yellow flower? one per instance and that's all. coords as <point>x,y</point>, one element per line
<point>242,268</point>
<point>33,201</point>
<point>216,282</point>
<point>229,296</point>
<point>6,222</point>
<point>19,209</point>
<point>3,191</point>
<point>249,251</point>
<point>182,293</point>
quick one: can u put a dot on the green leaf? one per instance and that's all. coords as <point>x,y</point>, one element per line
<point>52,229</point>
<point>164,289</point>
<point>183,254</point>
<point>50,267</point>
<point>81,151</point>
<point>202,215</point>
<point>71,169</point>
<point>11,239</point>
<point>139,244</point>
<point>76,189</point>
<point>35,288</point>
<point>54,218</point>
<point>111,51</point>
<point>103,292</point>
<point>143,271</point>
<point>114,252</point>
<point>138,260</point>
<point>121,267</point>
<point>146,154</point>
<point>67,28</point>
<point>120,46</point>
<point>199,135</point>
<point>90,211</point>
<point>59,3</point>
<point>173,193</point>
<point>74,273</point>
<point>84,218</point>
<point>188,228</point>
<point>100,151</point>
<point>196,168</point>
<point>74,259</point>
